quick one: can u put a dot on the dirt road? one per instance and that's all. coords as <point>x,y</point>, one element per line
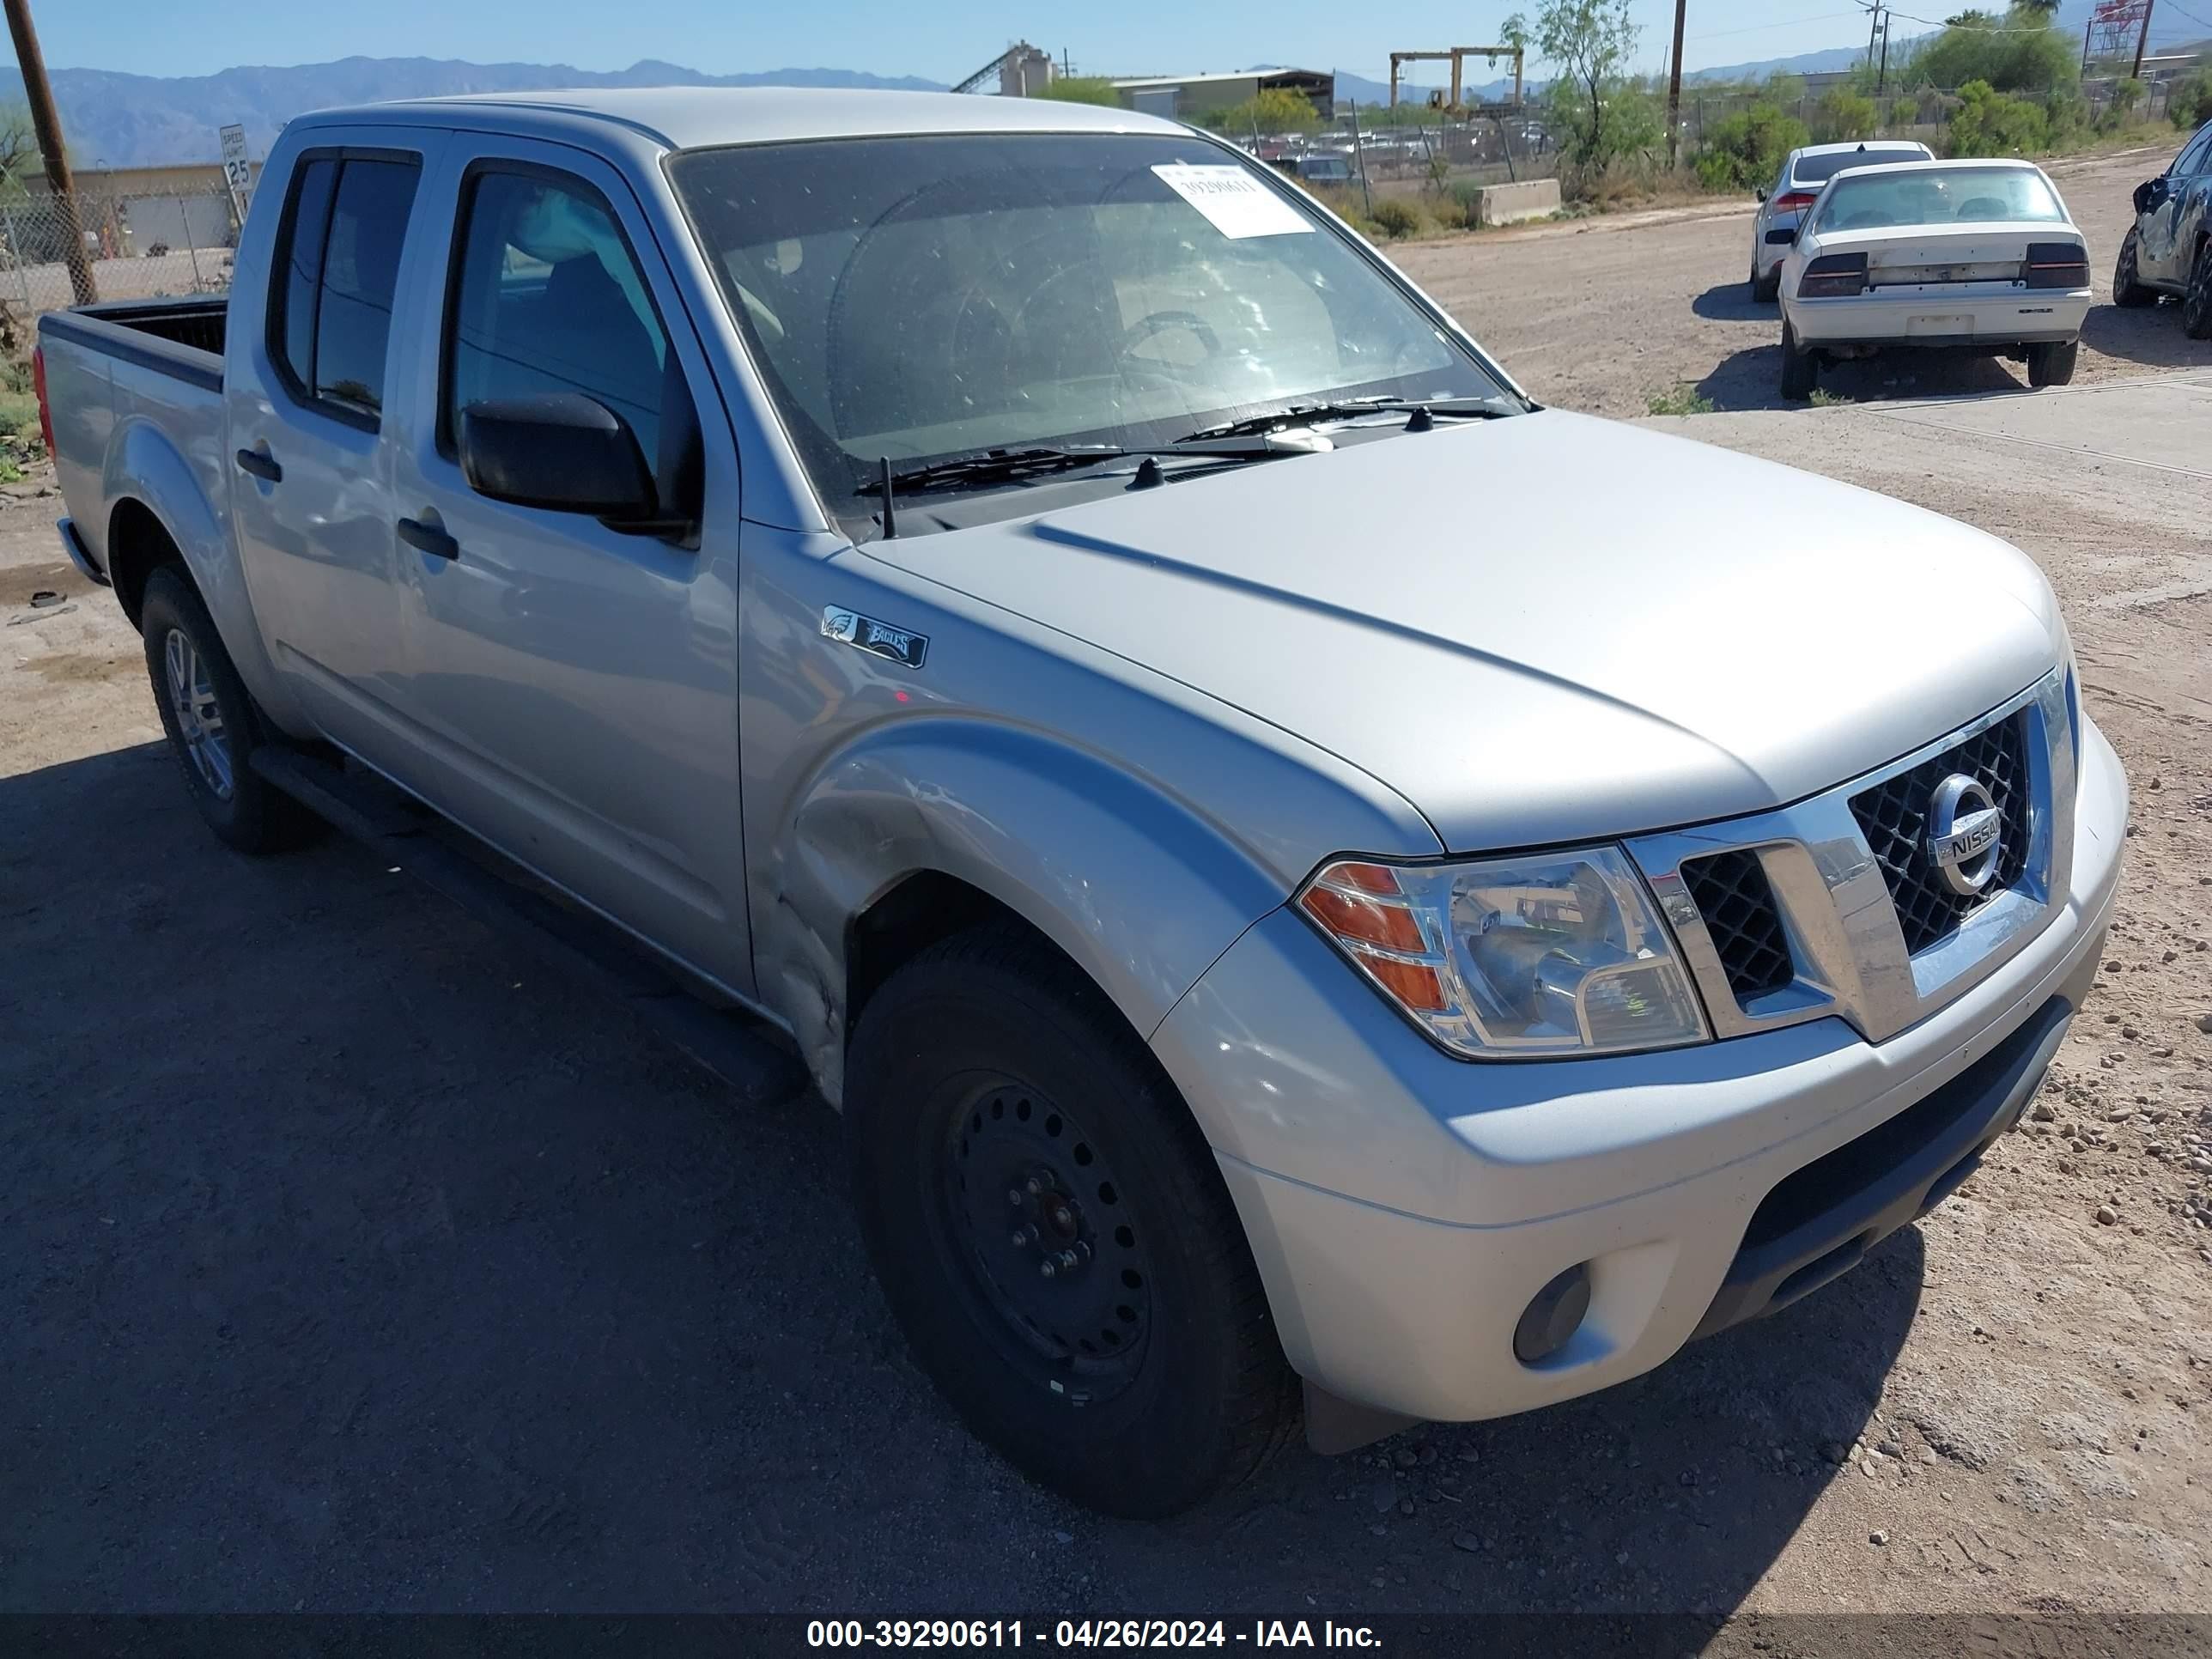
<point>1594,317</point>
<point>349,1262</point>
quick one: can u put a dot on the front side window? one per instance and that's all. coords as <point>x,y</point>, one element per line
<point>1940,195</point>
<point>337,271</point>
<point>549,299</point>
<point>923,298</point>
<point>2194,156</point>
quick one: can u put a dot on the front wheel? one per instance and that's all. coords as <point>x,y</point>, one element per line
<point>2052,364</point>
<point>1053,1234</point>
<point>2197,301</point>
<point>2128,290</point>
<point>1801,369</point>
<point>212,725</point>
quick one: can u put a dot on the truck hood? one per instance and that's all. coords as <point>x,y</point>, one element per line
<point>1545,628</point>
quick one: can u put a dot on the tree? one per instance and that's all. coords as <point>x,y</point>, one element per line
<point>1591,42</point>
<point>1988,122</point>
<point>2190,103</point>
<point>1082,89</point>
<point>1272,110</point>
<point>1842,116</point>
<point>2020,51</point>
<point>1746,148</point>
<point>18,149</point>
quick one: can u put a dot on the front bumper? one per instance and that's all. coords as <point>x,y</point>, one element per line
<point>1403,1206</point>
<point>1934,317</point>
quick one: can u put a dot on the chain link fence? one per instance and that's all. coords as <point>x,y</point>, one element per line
<point>135,247</point>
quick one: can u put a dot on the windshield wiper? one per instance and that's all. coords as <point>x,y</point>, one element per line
<point>1348,409</point>
<point>1042,460</point>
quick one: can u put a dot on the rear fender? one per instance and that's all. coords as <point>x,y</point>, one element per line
<point>1136,886</point>
<point>144,464</point>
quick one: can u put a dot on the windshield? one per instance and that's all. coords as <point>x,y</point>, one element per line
<point>1819,169</point>
<point>1940,195</point>
<point>922,298</point>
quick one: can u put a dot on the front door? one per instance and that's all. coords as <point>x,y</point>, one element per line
<point>308,430</point>
<point>2161,253</point>
<point>574,687</point>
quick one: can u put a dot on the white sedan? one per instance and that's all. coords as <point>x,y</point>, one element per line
<point>1978,255</point>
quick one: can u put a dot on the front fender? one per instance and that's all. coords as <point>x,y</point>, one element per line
<point>182,485</point>
<point>1140,889</point>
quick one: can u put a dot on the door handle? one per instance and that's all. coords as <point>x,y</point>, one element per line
<point>261,464</point>
<point>429,538</point>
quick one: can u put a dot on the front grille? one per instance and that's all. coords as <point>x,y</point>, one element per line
<point>1731,893</point>
<point>1893,818</point>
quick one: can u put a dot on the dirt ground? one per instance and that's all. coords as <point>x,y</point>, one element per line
<point>351,1262</point>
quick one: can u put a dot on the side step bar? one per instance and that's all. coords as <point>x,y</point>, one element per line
<point>754,1059</point>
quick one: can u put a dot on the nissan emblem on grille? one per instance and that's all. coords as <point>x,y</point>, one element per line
<point>1965,833</point>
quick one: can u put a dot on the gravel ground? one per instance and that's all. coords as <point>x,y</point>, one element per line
<point>351,1263</point>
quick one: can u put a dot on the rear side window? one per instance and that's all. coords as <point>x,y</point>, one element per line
<point>547,298</point>
<point>338,254</point>
<point>2194,156</point>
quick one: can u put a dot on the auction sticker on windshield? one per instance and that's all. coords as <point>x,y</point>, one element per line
<point>1233,201</point>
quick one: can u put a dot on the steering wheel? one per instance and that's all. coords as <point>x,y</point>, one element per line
<point>1162,322</point>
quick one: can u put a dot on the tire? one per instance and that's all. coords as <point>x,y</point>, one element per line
<point>2052,364</point>
<point>2196,301</point>
<point>1801,369</point>
<point>2128,291</point>
<point>1764,290</point>
<point>984,1064</point>
<point>212,725</point>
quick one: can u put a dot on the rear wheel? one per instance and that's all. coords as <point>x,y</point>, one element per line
<point>1764,288</point>
<point>212,725</point>
<point>1801,369</point>
<point>2128,290</point>
<point>2052,364</point>
<point>1052,1231</point>
<point>2197,301</point>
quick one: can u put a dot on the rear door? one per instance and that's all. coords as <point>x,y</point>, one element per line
<point>572,689</point>
<point>308,426</point>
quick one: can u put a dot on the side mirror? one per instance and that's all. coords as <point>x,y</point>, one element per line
<point>1759,191</point>
<point>2151,195</point>
<point>561,451</point>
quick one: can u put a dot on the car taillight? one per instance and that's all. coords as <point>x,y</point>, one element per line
<point>1794,201</point>
<point>2055,264</point>
<point>1833,276</point>
<point>38,385</point>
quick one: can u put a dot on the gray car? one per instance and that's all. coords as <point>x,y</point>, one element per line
<point>958,579</point>
<point>1783,202</point>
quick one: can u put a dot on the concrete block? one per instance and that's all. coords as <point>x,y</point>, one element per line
<point>1508,204</point>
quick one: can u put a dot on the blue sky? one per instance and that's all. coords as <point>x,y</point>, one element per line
<point>942,41</point>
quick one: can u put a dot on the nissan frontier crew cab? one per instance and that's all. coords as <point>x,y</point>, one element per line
<point>959,578</point>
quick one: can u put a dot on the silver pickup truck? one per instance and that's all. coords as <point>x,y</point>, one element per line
<point>1315,883</point>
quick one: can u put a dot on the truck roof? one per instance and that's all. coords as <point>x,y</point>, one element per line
<point>685,118</point>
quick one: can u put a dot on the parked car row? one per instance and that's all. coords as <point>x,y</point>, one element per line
<point>1875,245</point>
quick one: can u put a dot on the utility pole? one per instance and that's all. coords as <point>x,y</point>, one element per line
<point>1873,22</point>
<point>2142,40</point>
<point>1881,80</point>
<point>1675,88</point>
<point>47,125</point>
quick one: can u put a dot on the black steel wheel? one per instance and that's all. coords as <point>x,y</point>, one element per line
<point>1052,1231</point>
<point>1036,1213</point>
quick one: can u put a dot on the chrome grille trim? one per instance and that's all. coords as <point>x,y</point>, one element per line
<point>1845,942</point>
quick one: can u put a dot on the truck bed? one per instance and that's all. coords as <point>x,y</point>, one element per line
<point>180,338</point>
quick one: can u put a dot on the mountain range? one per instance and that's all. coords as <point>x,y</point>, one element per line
<point>143,120</point>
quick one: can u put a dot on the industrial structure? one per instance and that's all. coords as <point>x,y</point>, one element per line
<point>1021,71</point>
<point>1186,97</point>
<point>1457,56</point>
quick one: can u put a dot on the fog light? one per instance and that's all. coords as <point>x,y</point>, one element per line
<point>1553,1313</point>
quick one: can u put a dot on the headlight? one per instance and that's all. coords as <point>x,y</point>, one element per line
<point>1547,953</point>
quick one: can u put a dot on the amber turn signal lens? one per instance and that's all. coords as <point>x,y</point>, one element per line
<point>1353,918</point>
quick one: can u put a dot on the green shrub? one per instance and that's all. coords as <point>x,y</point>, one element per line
<point>1395,217</point>
<point>1680,398</point>
<point>1989,123</point>
<point>1082,89</point>
<point>2190,103</point>
<point>1748,148</point>
<point>1843,116</point>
